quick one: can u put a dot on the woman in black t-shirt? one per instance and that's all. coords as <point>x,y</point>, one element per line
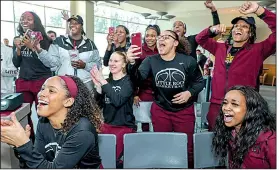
<point>176,81</point>
<point>33,72</point>
<point>67,132</point>
<point>116,97</point>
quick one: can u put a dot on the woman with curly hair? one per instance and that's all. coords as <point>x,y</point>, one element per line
<point>246,129</point>
<point>67,131</point>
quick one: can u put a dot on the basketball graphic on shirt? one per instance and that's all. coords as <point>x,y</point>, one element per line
<point>116,88</point>
<point>170,78</point>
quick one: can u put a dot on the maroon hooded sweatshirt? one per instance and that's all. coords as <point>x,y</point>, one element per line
<point>246,64</point>
<point>144,90</point>
<point>262,155</point>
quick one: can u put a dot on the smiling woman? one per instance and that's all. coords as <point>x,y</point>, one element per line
<point>246,129</point>
<point>68,116</point>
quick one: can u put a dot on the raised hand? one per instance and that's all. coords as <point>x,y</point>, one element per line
<point>65,15</point>
<point>14,134</point>
<point>97,76</point>
<point>209,4</point>
<point>218,29</point>
<point>131,56</point>
<point>26,41</point>
<point>110,38</point>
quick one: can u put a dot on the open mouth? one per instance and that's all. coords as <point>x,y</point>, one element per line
<point>42,103</point>
<point>161,45</point>
<point>228,118</point>
<point>238,33</point>
<point>112,68</point>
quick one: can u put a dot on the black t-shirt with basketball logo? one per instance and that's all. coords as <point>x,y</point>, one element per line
<point>230,56</point>
<point>170,78</point>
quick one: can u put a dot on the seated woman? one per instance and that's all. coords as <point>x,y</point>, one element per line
<point>67,130</point>
<point>246,129</point>
<point>116,97</point>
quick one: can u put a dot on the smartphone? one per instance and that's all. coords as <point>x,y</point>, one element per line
<point>28,32</point>
<point>36,35</point>
<point>137,40</point>
<point>111,30</point>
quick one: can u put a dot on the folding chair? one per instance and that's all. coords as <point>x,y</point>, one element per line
<point>142,115</point>
<point>203,154</point>
<point>204,111</point>
<point>107,150</point>
<point>155,150</point>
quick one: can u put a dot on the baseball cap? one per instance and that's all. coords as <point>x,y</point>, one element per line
<point>77,18</point>
<point>249,20</point>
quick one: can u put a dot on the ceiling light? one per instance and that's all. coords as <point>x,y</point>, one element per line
<point>110,2</point>
<point>162,16</point>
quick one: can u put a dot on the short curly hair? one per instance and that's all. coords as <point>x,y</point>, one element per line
<point>83,106</point>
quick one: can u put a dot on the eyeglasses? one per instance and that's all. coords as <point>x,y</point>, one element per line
<point>165,37</point>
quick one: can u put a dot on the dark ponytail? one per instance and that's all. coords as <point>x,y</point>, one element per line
<point>180,48</point>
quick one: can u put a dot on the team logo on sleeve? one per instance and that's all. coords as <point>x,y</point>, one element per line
<point>170,78</point>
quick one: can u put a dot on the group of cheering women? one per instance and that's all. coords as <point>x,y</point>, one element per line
<point>165,73</point>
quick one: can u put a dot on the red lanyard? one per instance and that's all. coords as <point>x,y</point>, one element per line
<point>75,45</point>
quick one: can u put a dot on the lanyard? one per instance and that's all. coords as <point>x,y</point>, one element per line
<point>75,47</point>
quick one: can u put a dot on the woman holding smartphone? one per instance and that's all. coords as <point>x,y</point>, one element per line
<point>176,78</point>
<point>143,91</point>
<point>116,97</point>
<point>33,72</point>
<point>118,41</point>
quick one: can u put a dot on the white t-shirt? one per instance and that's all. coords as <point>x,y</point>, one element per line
<point>8,70</point>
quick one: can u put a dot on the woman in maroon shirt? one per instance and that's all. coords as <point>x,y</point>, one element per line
<point>144,91</point>
<point>246,129</point>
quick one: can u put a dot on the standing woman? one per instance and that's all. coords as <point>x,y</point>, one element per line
<point>33,72</point>
<point>176,79</point>
<point>144,90</point>
<point>72,54</point>
<point>246,129</point>
<point>119,41</point>
<point>190,42</point>
<point>116,97</point>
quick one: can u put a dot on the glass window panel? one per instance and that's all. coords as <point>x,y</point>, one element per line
<point>7,10</point>
<point>101,25</point>
<point>133,17</point>
<point>54,18</point>
<point>115,23</point>
<point>134,28</point>
<point>20,8</point>
<point>7,31</point>
<point>100,41</point>
<point>102,11</point>
<point>118,14</point>
<point>64,5</point>
<point>59,31</point>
